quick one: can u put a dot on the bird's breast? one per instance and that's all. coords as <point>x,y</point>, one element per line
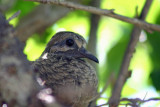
<point>75,79</point>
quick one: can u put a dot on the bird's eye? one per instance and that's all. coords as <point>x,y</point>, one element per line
<point>69,42</point>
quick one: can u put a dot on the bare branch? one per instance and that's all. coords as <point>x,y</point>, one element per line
<point>72,5</point>
<point>18,85</point>
<point>35,21</point>
<point>92,42</point>
<point>136,100</point>
<point>133,102</point>
<point>109,13</point>
<point>5,5</point>
<point>116,93</point>
<point>112,75</point>
<point>17,82</point>
<point>14,15</point>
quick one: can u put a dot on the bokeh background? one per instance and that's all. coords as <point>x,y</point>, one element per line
<point>112,38</point>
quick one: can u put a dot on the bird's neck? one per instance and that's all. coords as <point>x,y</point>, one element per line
<point>61,56</point>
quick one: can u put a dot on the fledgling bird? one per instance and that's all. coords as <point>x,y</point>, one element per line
<point>63,68</point>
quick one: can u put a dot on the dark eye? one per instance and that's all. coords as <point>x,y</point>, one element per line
<point>69,42</point>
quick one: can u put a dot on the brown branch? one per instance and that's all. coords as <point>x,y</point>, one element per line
<point>92,42</point>
<point>72,5</point>
<point>111,77</point>
<point>109,13</point>
<point>139,100</point>
<point>18,85</point>
<point>5,6</point>
<point>116,93</point>
<point>133,101</point>
<point>17,82</point>
<point>35,21</point>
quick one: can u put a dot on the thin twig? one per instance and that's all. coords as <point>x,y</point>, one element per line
<point>105,87</point>
<point>14,15</point>
<point>142,24</point>
<point>112,75</point>
<point>72,5</point>
<point>132,101</point>
<point>116,93</point>
<point>102,105</point>
<point>143,99</point>
<point>139,100</point>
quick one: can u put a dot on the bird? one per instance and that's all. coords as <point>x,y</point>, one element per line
<point>63,68</point>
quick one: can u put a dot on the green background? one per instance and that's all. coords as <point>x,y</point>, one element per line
<point>113,36</point>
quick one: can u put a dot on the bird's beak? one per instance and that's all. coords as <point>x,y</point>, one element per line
<point>85,54</point>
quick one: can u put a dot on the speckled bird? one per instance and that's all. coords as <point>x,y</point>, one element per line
<point>63,68</point>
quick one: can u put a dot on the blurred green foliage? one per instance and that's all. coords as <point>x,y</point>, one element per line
<point>113,37</point>
<point>154,41</point>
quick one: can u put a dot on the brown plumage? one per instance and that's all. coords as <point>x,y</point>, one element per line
<point>64,70</point>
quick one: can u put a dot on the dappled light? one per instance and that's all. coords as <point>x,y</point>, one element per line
<point>113,36</point>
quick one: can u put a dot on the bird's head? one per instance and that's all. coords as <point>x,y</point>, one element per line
<point>69,44</point>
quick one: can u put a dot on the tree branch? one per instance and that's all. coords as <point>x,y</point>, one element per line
<point>72,5</point>
<point>35,21</point>
<point>18,85</point>
<point>17,82</point>
<point>92,42</point>
<point>133,102</point>
<point>109,13</point>
<point>116,93</point>
<point>14,15</point>
<point>112,75</point>
<point>6,5</point>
